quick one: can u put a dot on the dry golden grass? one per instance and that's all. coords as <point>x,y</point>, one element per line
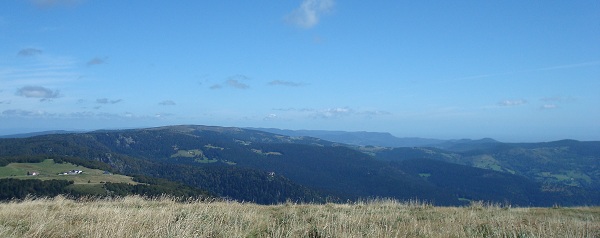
<point>138,217</point>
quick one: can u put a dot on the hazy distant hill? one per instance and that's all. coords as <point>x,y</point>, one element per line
<point>31,134</point>
<point>262,167</point>
<point>574,164</point>
<point>361,138</point>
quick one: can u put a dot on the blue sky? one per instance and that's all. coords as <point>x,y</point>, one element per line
<point>510,70</point>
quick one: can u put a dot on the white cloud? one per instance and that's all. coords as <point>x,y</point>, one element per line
<point>270,117</point>
<point>37,92</point>
<point>335,112</point>
<point>510,103</point>
<point>309,12</point>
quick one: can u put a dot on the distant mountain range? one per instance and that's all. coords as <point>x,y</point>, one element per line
<point>383,139</point>
<point>313,166</point>
<point>39,133</point>
<point>361,138</point>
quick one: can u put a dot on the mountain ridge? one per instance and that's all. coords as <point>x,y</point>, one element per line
<point>258,166</point>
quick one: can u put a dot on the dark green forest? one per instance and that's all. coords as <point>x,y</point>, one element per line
<point>265,168</point>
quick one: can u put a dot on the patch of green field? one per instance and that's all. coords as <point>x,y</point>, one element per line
<point>197,154</point>
<point>487,162</point>
<point>49,170</point>
<point>579,176</point>
<point>571,177</point>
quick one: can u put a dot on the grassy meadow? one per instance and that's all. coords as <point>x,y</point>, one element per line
<point>48,169</point>
<point>138,217</point>
<point>89,181</point>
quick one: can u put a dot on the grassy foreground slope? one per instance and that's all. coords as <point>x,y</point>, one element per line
<point>137,217</point>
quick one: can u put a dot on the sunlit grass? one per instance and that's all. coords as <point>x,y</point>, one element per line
<point>137,217</point>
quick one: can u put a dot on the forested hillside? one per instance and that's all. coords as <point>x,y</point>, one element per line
<point>267,168</point>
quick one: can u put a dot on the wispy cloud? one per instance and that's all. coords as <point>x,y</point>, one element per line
<point>375,113</point>
<point>271,117</point>
<point>216,86</point>
<point>25,113</point>
<point>567,66</point>
<point>330,113</point>
<point>548,106</point>
<point>162,115</point>
<point>550,68</point>
<point>558,99</point>
<point>285,83</point>
<point>46,70</point>
<point>334,112</point>
<point>235,81</point>
<point>554,102</point>
<point>291,109</point>
<point>236,84</point>
<point>510,103</point>
<point>96,61</point>
<point>29,52</point>
<point>309,12</point>
<point>107,101</point>
<point>167,103</point>
<point>38,92</point>
<point>38,114</point>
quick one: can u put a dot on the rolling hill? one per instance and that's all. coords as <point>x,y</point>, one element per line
<point>262,167</point>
